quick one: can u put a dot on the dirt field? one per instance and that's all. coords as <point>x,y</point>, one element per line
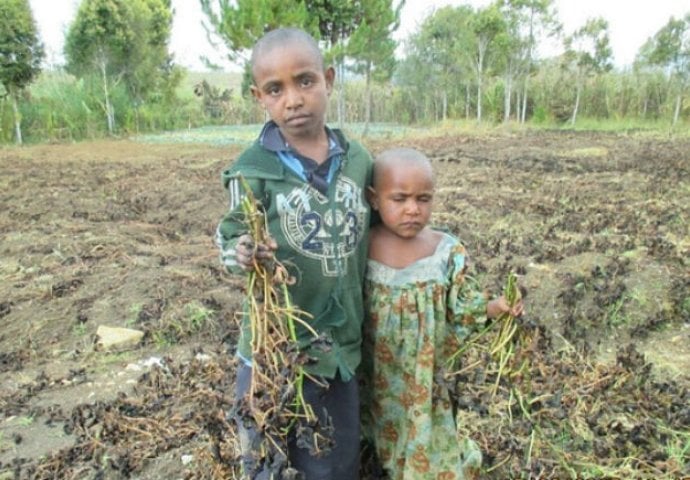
<point>121,234</point>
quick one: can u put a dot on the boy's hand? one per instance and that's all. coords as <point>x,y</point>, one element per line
<point>500,305</point>
<point>246,254</point>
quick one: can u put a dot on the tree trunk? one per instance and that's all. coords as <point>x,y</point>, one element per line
<point>480,73</point>
<point>17,118</point>
<point>507,97</point>
<point>524,103</point>
<point>577,105</point>
<point>367,96</point>
<point>523,116</point>
<point>341,92</point>
<point>445,105</point>
<point>467,101</point>
<point>479,100</point>
<point>676,113</point>
<point>109,110</point>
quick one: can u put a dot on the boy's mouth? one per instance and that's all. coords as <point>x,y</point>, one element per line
<point>297,119</point>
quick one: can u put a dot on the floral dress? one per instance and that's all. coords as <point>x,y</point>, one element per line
<point>417,317</point>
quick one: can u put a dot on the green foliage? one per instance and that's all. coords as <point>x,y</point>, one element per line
<point>371,45</point>
<point>126,83</point>
<point>588,53</point>
<point>99,38</point>
<point>193,318</point>
<point>527,22</point>
<point>337,20</point>
<point>435,69</point>
<point>197,316</point>
<point>539,115</point>
<point>241,23</point>
<point>21,51</point>
<point>64,108</point>
<point>124,42</point>
<point>588,49</point>
<point>670,47</point>
<point>133,317</point>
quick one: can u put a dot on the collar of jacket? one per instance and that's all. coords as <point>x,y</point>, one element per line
<point>261,162</point>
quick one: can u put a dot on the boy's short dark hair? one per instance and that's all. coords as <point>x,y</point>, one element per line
<point>282,36</point>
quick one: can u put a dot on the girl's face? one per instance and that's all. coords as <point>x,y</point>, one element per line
<point>403,197</point>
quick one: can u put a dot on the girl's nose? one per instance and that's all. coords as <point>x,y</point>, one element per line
<point>412,208</point>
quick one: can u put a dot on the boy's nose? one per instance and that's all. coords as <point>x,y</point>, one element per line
<point>294,98</point>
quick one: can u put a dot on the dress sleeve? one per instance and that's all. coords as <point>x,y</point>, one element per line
<point>232,225</point>
<point>466,301</point>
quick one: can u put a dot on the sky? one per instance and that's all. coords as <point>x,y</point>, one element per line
<point>631,23</point>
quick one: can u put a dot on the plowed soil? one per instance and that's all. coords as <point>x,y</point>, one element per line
<point>120,233</point>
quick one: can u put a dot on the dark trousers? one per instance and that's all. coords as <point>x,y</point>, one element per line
<point>341,401</point>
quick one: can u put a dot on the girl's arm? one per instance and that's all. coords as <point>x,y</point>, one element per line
<point>467,303</point>
<point>500,305</point>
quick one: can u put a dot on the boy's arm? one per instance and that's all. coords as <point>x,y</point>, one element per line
<point>232,238</point>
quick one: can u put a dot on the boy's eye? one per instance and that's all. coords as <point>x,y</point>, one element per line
<point>306,81</point>
<point>274,90</point>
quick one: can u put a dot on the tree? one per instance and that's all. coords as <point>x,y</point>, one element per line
<point>669,48</point>
<point>21,53</point>
<point>239,24</point>
<point>486,25</point>
<point>123,41</point>
<point>372,47</point>
<point>588,52</point>
<point>435,62</point>
<point>527,22</point>
<point>337,21</point>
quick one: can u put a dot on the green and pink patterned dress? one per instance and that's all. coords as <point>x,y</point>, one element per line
<point>418,315</point>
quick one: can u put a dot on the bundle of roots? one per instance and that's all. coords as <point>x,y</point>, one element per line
<point>275,406</point>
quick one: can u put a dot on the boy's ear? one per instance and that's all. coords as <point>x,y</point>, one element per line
<point>256,93</point>
<point>372,198</point>
<point>329,74</point>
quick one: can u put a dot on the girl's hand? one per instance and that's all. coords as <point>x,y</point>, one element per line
<point>246,253</point>
<point>500,305</point>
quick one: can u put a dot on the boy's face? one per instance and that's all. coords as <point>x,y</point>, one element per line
<point>403,197</point>
<point>291,84</point>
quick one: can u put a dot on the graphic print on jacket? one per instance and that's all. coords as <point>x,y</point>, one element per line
<point>322,231</point>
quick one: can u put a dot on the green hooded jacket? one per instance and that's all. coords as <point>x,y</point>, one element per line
<point>322,241</point>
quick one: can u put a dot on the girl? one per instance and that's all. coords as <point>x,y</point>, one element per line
<point>420,304</point>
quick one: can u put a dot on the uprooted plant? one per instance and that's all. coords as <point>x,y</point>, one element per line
<point>537,412</point>
<point>275,405</point>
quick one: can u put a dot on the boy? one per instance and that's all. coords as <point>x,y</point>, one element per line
<point>310,181</point>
